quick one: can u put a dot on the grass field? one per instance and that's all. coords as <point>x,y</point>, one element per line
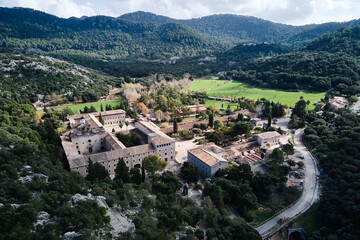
<point>219,104</point>
<point>206,84</point>
<point>240,89</point>
<point>76,107</point>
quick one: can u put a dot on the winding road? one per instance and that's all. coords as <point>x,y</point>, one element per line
<point>309,196</point>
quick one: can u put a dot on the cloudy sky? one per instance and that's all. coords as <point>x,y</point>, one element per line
<point>296,12</point>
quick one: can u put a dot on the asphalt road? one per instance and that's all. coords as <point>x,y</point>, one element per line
<point>309,197</point>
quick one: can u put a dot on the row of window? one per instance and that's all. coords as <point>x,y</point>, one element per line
<point>106,118</point>
<point>164,145</point>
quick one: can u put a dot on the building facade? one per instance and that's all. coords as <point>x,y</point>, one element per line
<point>208,159</point>
<point>113,117</point>
<point>267,138</point>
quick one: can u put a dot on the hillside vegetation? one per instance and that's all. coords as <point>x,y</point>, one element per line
<point>329,63</point>
<point>35,77</point>
<point>234,29</point>
<point>98,37</point>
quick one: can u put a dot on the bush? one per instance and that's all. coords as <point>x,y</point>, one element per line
<point>196,130</point>
<point>203,126</point>
<point>187,134</point>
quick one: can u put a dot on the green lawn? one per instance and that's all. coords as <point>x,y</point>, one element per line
<point>76,107</point>
<point>219,104</point>
<point>206,84</point>
<point>240,89</point>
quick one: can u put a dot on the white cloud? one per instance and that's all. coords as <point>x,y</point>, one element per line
<point>61,8</point>
<point>284,11</point>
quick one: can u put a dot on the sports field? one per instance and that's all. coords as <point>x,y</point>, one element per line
<point>240,89</point>
<point>76,107</point>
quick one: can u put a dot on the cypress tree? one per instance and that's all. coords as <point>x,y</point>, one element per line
<point>92,109</point>
<point>101,119</point>
<point>86,109</point>
<point>211,119</point>
<point>101,108</point>
<point>122,171</point>
<point>175,126</point>
<point>142,173</point>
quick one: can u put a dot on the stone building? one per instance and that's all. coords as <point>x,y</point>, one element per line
<point>113,117</point>
<point>271,138</point>
<point>208,159</point>
<point>87,139</point>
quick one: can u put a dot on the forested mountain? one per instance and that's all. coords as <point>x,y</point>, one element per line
<point>99,37</point>
<point>234,29</point>
<point>143,36</point>
<point>197,66</point>
<point>329,63</point>
<point>28,76</point>
<point>346,40</point>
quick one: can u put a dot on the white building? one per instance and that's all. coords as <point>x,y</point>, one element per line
<point>257,122</point>
<point>271,138</point>
<point>87,139</point>
<point>208,159</point>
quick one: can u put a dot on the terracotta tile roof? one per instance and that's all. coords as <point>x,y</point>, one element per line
<point>159,140</point>
<point>114,142</point>
<point>111,112</point>
<point>208,157</point>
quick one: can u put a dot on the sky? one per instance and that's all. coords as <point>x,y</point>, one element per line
<point>295,12</point>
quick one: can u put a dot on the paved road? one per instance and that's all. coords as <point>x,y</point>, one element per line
<point>308,198</point>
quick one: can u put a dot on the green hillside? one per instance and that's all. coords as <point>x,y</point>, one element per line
<point>98,37</point>
<point>231,29</point>
<point>27,77</point>
<point>346,40</point>
<point>330,63</point>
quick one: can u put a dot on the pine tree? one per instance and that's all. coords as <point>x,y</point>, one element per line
<point>122,171</point>
<point>96,172</point>
<point>135,175</point>
<point>175,126</point>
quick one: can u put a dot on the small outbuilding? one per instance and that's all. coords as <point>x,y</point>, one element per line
<point>271,138</point>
